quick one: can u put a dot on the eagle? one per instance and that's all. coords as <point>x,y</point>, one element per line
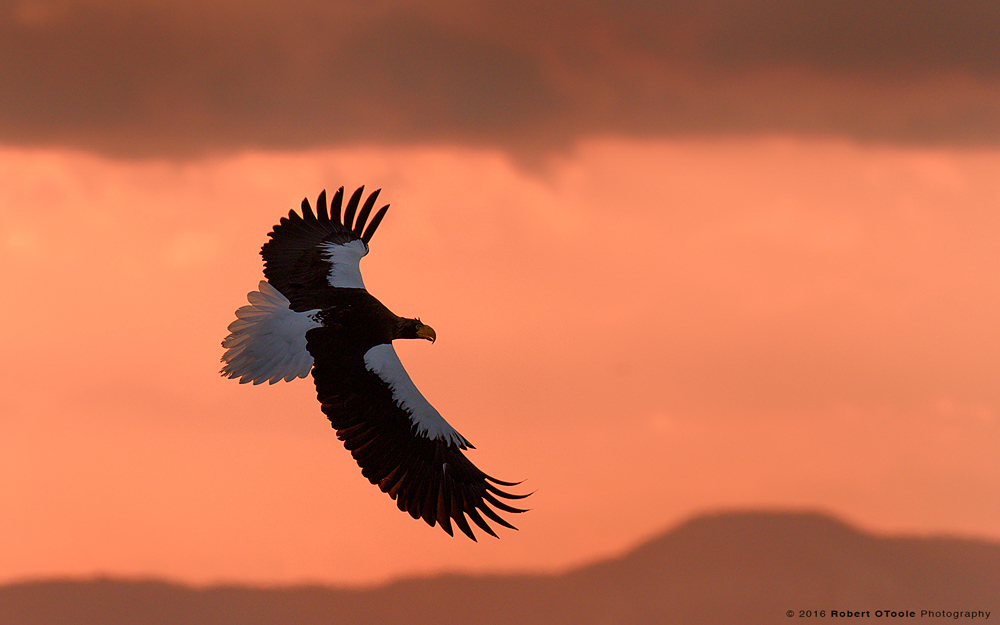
<point>313,313</point>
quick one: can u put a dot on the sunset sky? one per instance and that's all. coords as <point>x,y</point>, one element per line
<point>680,257</point>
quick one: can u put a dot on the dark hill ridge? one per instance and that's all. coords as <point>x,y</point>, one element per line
<point>739,567</point>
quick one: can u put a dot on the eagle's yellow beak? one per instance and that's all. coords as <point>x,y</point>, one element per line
<point>427,332</point>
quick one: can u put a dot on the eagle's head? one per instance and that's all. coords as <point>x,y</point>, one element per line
<point>414,329</point>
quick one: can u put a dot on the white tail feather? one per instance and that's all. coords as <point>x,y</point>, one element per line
<point>267,342</point>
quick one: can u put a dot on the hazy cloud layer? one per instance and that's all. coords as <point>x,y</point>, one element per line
<point>180,79</point>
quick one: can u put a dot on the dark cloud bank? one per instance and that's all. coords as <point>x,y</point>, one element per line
<point>173,79</point>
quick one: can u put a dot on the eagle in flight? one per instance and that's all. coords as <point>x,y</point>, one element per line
<point>313,313</point>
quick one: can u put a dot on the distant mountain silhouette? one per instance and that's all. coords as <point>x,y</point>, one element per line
<point>740,567</point>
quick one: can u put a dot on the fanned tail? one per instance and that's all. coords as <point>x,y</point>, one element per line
<point>267,342</point>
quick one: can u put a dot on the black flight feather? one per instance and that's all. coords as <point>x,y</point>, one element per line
<point>365,211</point>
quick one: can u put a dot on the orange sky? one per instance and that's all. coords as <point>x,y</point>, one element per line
<point>641,330</point>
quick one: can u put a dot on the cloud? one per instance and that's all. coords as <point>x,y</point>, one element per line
<point>181,79</point>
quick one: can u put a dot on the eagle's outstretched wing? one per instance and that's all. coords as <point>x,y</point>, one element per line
<point>308,254</point>
<point>400,441</point>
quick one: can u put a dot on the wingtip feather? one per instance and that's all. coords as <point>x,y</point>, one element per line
<point>352,207</point>
<point>373,224</point>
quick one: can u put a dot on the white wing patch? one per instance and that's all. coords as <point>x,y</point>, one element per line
<point>383,362</point>
<point>267,342</point>
<point>346,259</point>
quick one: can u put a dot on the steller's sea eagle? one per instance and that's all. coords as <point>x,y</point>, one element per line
<point>313,313</point>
